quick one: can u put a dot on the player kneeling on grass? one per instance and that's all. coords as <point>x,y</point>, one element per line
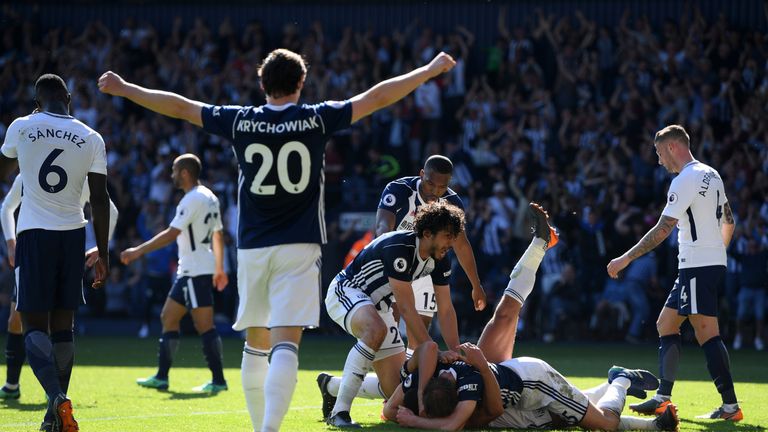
<point>196,227</point>
<point>491,389</point>
<point>359,300</point>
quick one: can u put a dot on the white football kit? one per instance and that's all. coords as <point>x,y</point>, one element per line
<point>198,216</point>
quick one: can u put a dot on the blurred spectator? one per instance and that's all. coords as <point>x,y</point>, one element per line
<point>751,297</point>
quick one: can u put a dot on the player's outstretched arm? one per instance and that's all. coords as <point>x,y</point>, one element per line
<point>100,213</point>
<point>392,90</point>
<point>162,102</point>
<point>650,240</point>
<point>162,239</point>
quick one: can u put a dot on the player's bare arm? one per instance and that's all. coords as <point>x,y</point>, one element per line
<point>392,90</point>
<point>728,225</point>
<point>447,316</point>
<point>491,406</point>
<point>466,257</point>
<point>455,421</point>
<point>650,240</point>
<point>404,297</point>
<point>385,221</point>
<point>99,200</point>
<point>162,102</point>
<point>162,239</point>
<point>220,278</point>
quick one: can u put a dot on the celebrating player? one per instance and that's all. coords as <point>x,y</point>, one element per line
<point>360,300</point>
<point>280,151</point>
<point>55,153</point>
<point>196,228</point>
<point>519,393</point>
<point>697,204</point>
<point>397,209</point>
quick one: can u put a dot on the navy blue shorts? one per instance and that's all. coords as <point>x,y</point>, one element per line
<point>695,291</point>
<point>49,270</point>
<point>193,292</point>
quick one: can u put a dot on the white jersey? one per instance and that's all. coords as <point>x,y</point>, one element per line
<point>197,217</point>
<point>696,198</point>
<point>13,200</point>
<point>55,154</point>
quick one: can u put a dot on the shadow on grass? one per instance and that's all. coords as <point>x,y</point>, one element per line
<point>21,406</point>
<point>189,395</point>
<point>723,425</point>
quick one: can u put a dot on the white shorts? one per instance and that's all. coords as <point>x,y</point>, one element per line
<point>424,296</point>
<point>343,303</point>
<point>283,278</point>
<point>544,388</point>
<point>515,419</point>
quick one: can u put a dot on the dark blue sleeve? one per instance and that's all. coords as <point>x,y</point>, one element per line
<point>398,261</point>
<point>455,200</point>
<point>393,197</point>
<point>335,115</point>
<point>220,120</point>
<point>441,275</point>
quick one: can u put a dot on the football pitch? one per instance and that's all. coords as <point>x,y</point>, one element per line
<point>106,397</point>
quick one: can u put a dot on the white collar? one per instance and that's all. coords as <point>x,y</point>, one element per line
<point>279,107</point>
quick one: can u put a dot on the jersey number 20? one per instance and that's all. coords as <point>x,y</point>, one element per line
<point>259,188</point>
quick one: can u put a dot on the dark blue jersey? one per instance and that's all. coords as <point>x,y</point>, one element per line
<point>469,382</point>
<point>402,198</point>
<point>392,255</point>
<point>281,154</point>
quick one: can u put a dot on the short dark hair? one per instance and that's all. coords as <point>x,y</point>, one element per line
<point>50,87</point>
<point>281,72</point>
<point>191,163</point>
<point>673,132</point>
<point>440,397</point>
<point>439,216</point>
<point>439,164</point>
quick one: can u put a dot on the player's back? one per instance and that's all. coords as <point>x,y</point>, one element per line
<point>55,153</point>
<point>280,151</point>
<point>197,217</point>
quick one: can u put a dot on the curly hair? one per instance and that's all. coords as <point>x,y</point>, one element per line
<point>281,72</point>
<point>440,397</point>
<point>439,216</point>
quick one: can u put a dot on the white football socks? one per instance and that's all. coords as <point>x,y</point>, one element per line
<point>615,395</point>
<point>359,362</point>
<point>253,371</point>
<point>280,384</point>
<point>637,423</point>
<point>370,389</point>
<point>523,276</point>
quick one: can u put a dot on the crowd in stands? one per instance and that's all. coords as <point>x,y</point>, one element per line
<point>559,110</point>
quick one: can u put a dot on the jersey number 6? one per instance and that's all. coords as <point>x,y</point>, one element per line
<point>259,188</point>
<point>47,168</point>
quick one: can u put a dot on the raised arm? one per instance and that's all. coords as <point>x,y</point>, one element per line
<point>392,90</point>
<point>162,102</point>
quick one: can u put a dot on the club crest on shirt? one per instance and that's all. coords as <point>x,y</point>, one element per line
<point>400,264</point>
<point>389,200</point>
<point>672,198</point>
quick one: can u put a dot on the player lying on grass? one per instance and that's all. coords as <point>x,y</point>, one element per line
<point>359,300</point>
<point>491,389</point>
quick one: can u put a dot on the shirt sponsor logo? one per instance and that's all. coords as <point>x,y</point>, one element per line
<point>468,387</point>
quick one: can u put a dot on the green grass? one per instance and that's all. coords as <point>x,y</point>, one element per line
<point>106,397</point>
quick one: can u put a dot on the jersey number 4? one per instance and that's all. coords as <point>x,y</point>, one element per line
<point>48,168</point>
<point>259,188</point>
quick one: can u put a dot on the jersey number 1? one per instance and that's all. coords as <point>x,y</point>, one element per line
<point>258,187</point>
